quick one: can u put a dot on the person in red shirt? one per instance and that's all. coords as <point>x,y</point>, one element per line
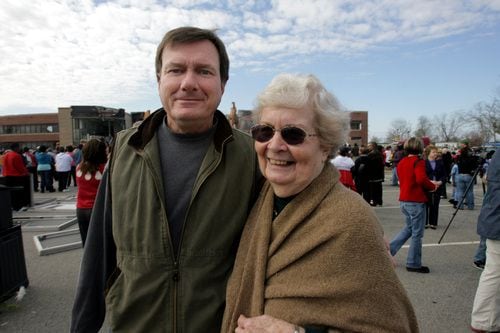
<point>413,185</point>
<point>88,177</point>
<point>16,175</point>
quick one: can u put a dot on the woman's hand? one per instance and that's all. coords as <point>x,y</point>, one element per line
<point>265,324</point>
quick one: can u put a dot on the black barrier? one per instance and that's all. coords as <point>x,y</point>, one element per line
<point>5,208</point>
<point>13,273</point>
<point>20,190</point>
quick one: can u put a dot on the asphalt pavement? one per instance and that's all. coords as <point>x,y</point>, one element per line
<point>442,299</point>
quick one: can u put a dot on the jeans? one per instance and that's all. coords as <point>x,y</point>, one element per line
<point>463,181</point>
<point>486,309</point>
<point>415,214</point>
<point>432,207</point>
<point>46,180</point>
<point>394,178</point>
<point>481,250</point>
<point>83,215</point>
<point>62,180</point>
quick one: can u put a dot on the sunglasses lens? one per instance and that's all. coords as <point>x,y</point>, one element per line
<point>293,135</point>
<point>262,133</point>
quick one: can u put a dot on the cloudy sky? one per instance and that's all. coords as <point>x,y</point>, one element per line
<point>393,58</point>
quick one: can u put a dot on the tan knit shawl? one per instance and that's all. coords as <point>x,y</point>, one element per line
<point>321,262</point>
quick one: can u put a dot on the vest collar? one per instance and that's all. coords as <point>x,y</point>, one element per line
<point>147,130</point>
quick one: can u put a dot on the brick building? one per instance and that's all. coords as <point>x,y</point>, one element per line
<point>29,130</point>
<point>72,124</point>
<point>68,126</point>
<point>359,128</point>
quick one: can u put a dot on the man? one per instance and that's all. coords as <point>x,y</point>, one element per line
<point>172,204</point>
<point>17,176</point>
<point>486,309</point>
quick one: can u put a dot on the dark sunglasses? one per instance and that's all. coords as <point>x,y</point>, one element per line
<point>291,134</point>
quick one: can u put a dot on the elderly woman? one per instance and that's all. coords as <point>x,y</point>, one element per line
<point>312,252</point>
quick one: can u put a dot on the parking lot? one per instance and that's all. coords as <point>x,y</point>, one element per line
<point>442,299</point>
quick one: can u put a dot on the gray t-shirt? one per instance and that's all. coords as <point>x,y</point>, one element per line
<point>181,157</point>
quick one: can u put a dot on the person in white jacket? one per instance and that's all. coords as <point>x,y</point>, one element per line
<point>63,168</point>
<point>344,163</point>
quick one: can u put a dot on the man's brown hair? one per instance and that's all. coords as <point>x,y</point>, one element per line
<point>184,35</point>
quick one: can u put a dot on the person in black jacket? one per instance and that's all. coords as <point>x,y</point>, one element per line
<point>360,173</point>
<point>435,170</point>
<point>375,170</point>
<point>485,315</point>
<point>467,165</point>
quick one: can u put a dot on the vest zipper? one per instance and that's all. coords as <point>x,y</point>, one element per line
<point>176,274</point>
<point>175,278</point>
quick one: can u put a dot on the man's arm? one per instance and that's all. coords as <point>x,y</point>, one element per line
<point>98,263</point>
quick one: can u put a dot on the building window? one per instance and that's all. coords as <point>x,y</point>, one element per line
<point>29,129</point>
<point>356,125</point>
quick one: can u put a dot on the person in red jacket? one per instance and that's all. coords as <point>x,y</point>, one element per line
<point>413,185</point>
<point>16,175</point>
<point>88,177</point>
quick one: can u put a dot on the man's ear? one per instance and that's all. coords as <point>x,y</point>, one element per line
<point>223,87</point>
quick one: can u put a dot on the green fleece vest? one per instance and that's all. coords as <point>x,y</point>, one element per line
<point>153,290</point>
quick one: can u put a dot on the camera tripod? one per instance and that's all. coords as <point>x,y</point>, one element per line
<point>460,203</point>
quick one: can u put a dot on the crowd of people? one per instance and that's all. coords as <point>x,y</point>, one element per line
<point>46,164</point>
<point>364,172</point>
<point>38,169</point>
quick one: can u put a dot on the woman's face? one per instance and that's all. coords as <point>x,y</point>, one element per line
<point>433,155</point>
<point>289,168</point>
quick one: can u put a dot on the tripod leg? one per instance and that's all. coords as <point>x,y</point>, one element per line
<point>469,186</point>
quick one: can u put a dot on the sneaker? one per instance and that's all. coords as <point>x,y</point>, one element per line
<point>426,226</point>
<point>421,269</point>
<point>65,190</point>
<point>433,227</point>
<point>478,264</point>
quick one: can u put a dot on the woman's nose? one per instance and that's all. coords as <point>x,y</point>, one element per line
<point>277,143</point>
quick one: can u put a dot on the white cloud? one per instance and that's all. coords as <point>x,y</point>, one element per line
<point>56,52</point>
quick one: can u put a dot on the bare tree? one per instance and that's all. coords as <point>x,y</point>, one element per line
<point>486,118</point>
<point>447,125</point>
<point>375,139</point>
<point>400,130</point>
<point>424,127</point>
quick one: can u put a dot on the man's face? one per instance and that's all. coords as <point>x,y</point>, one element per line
<point>190,86</point>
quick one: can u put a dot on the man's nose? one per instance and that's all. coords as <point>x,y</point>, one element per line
<point>189,81</point>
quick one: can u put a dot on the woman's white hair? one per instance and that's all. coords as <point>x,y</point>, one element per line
<point>306,93</point>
